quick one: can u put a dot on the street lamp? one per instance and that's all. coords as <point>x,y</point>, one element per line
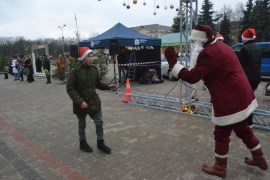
<point>62,27</point>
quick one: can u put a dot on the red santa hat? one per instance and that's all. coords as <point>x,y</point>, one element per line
<point>202,33</point>
<point>219,37</point>
<point>83,52</point>
<point>248,34</point>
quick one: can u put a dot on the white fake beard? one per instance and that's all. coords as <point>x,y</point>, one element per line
<point>196,48</point>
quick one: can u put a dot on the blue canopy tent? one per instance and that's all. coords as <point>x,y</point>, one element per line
<point>140,52</point>
<point>125,37</point>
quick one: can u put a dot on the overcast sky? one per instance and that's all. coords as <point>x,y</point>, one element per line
<point>35,19</point>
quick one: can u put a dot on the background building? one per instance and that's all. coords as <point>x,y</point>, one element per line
<point>153,30</point>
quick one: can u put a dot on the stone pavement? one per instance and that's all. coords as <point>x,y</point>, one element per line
<point>39,140</point>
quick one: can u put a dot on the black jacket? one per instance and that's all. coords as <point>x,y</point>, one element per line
<point>249,57</point>
<point>46,64</point>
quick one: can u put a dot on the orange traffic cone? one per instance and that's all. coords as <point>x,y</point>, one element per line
<point>128,97</point>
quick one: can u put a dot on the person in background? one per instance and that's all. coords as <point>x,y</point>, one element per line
<point>249,57</point>
<point>20,66</point>
<point>28,66</point>
<point>81,87</point>
<point>15,68</point>
<point>219,37</point>
<point>122,70</point>
<point>232,97</point>
<point>47,68</point>
<point>38,65</point>
<point>10,69</point>
<point>61,67</point>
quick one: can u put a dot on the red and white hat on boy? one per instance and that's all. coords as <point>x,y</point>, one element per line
<point>249,34</point>
<point>83,52</point>
<point>219,37</point>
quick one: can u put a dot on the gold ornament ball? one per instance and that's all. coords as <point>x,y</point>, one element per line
<point>171,6</point>
<point>154,13</point>
<point>134,1</point>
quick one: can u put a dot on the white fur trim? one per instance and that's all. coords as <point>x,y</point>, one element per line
<point>176,69</point>
<point>220,38</point>
<point>256,147</point>
<point>247,39</point>
<point>215,40</point>
<point>198,35</point>
<point>221,156</point>
<point>85,54</point>
<point>236,117</point>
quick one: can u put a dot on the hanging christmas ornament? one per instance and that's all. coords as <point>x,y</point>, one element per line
<point>124,3</point>
<point>128,6</point>
<point>157,5</point>
<point>154,13</point>
<point>177,9</point>
<point>144,3</point>
<point>165,5</point>
<point>134,1</point>
<point>171,6</point>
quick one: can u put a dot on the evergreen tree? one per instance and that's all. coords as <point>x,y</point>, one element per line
<point>260,19</point>
<point>246,20</point>
<point>266,20</point>
<point>206,15</point>
<point>176,25</point>
<point>225,29</point>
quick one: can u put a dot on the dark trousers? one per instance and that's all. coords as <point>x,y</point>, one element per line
<point>21,75</point>
<point>48,79</point>
<point>30,77</point>
<point>242,131</point>
<point>97,118</point>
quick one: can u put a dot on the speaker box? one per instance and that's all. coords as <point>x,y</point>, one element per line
<point>73,50</point>
<point>113,46</point>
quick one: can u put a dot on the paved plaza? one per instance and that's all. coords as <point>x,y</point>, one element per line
<point>39,138</point>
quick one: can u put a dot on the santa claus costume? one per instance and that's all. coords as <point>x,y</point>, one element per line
<point>233,100</point>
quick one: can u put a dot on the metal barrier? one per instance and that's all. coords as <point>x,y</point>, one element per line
<point>187,103</point>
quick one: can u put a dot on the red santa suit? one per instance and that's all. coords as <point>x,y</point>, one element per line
<point>232,97</point>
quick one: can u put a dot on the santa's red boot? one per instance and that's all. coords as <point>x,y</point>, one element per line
<point>258,159</point>
<point>218,169</point>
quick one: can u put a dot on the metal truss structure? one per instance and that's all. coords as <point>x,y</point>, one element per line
<point>185,103</point>
<point>188,17</point>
